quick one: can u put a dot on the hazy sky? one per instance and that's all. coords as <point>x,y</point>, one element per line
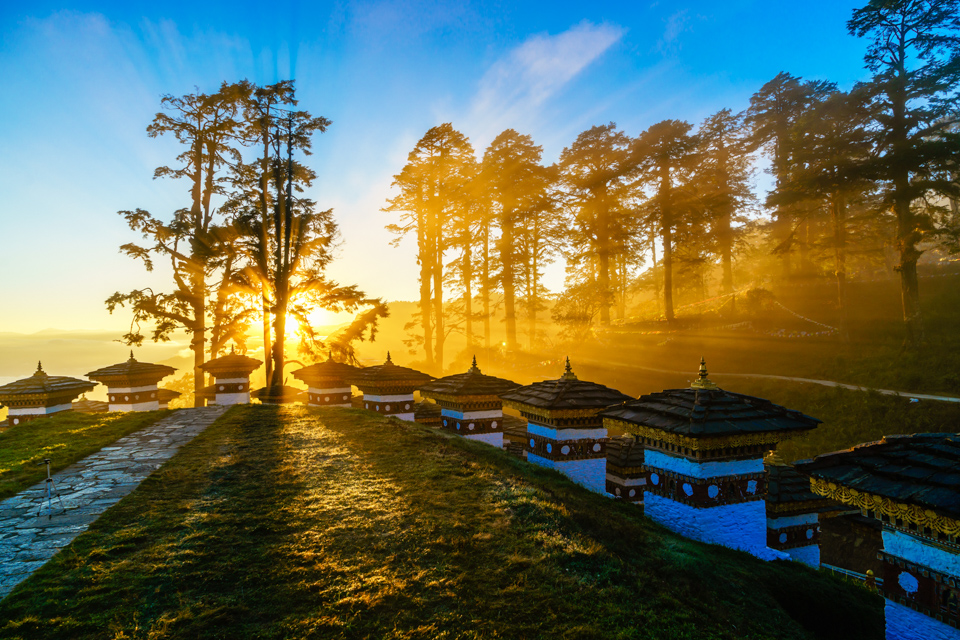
<point>81,83</point>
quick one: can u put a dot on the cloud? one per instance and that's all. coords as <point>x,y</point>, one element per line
<point>677,24</point>
<point>516,87</point>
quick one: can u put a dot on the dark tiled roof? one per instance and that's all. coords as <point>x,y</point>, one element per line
<point>388,372</point>
<point>624,451</point>
<point>232,362</point>
<point>41,383</point>
<point>131,368</point>
<point>426,412</point>
<point>279,395</point>
<point>514,427</point>
<point>567,392</point>
<point>709,412</point>
<point>785,485</point>
<point>471,383</point>
<point>327,369</point>
<point>166,395</point>
<point>89,406</point>
<point>921,469</point>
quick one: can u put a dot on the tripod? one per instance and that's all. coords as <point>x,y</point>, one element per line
<point>48,493</point>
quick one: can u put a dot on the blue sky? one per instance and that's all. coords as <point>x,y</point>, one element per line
<point>82,82</point>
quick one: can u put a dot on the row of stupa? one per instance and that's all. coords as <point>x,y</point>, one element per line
<point>695,460</point>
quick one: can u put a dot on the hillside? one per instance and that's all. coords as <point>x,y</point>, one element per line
<point>298,523</point>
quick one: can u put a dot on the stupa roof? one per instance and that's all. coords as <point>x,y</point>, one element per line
<point>921,469</point>
<point>131,369</point>
<point>705,410</point>
<point>565,393</point>
<point>42,384</point>
<point>624,451</point>
<point>166,395</point>
<point>471,383</point>
<point>387,373</point>
<point>232,363</point>
<point>83,405</point>
<point>786,485</point>
<point>326,370</point>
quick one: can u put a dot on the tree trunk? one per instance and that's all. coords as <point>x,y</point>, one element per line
<point>839,211</point>
<point>467,286</point>
<point>267,343</point>
<point>603,256</point>
<point>486,285</point>
<point>666,229</point>
<point>507,280</point>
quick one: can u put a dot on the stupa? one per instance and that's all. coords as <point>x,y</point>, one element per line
<point>704,450</point>
<point>326,382</point>
<point>793,512</point>
<point>564,429</point>
<point>231,378</point>
<point>132,385</point>
<point>470,405</point>
<point>626,475</point>
<point>40,395</point>
<point>911,484</point>
<point>388,388</point>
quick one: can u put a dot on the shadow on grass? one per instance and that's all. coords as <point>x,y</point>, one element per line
<point>295,523</point>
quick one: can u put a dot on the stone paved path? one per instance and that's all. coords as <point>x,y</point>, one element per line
<point>87,488</point>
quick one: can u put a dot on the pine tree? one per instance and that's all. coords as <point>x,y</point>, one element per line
<point>914,53</point>
<point>207,126</point>
<point>666,154</point>
<point>593,175</point>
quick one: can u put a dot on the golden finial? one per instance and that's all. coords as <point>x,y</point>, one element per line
<point>474,367</point>
<point>232,351</point>
<point>703,382</point>
<point>39,367</point>
<point>389,361</point>
<point>131,356</point>
<point>568,373</point>
<point>330,355</point>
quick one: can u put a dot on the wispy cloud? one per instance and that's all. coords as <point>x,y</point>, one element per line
<point>676,24</point>
<point>516,87</point>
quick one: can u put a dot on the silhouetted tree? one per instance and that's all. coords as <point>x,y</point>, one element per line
<point>914,52</point>
<point>593,172</point>
<point>517,182</point>
<point>666,153</point>
<point>772,115</point>
<point>433,186</point>
<point>206,125</point>
<point>723,176</point>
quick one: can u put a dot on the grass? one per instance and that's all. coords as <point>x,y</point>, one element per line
<point>852,417</point>
<point>64,438</point>
<point>337,523</point>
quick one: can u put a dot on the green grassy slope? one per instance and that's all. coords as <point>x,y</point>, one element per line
<point>64,438</point>
<point>311,523</point>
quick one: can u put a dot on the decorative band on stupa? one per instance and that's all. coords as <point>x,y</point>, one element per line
<point>909,484</point>
<point>326,382</point>
<point>40,395</point>
<point>231,378</point>
<point>704,450</point>
<point>564,430</point>
<point>132,385</point>
<point>470,405</point>
<point>388,388</point>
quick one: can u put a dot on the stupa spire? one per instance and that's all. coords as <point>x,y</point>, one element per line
<point>474,368</point>
<point>568,373</point>
<point>702,381</point>
<point>389,361</point>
